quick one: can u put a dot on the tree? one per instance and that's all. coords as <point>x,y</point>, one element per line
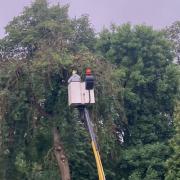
<point>145,69</point>
<point>41,25</point>
<point>41,48</point>
<point>174,161</point>
<point>136,88</point>
<point>37,102</point>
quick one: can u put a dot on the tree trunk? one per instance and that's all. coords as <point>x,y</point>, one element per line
<point>60,156</point>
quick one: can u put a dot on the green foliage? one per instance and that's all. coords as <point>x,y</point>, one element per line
<point>47,45</point>
<point>136,88</point>
<point>174,161</point>
<point>37,100</point>
<point>173,34</point>
<point>44,27</point>
<point>144,162</point>
<point>144,68</point>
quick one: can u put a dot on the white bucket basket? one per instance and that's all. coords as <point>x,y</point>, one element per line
<point>78,95</point>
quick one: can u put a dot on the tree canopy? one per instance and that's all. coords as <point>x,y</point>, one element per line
<point>136,89</point>
<point>149,80</point>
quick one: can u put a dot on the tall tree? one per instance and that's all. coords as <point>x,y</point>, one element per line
<point>144,67</point>
<point>134,97</point>
<point>41,48</point>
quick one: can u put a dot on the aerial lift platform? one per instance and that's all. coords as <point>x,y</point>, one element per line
<point>81,94</point>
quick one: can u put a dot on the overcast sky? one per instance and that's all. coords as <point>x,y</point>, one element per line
<point>157,13</point>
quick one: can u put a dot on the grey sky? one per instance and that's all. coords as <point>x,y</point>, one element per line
<point>158,13</point>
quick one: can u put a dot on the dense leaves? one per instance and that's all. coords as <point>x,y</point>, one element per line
<point>143,60</point>
<point>174,161</point>
<point>136,89</point>
<point>173,34</point>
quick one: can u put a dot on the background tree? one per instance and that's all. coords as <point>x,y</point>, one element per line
<point>144,67</point>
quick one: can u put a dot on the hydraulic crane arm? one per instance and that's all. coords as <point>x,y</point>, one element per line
<point>79,95</point>
<point>94,146</point>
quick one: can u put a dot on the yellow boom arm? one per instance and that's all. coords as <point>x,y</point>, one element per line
<point>94,146</point>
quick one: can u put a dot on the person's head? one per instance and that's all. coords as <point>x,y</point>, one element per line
<point>88,71</point>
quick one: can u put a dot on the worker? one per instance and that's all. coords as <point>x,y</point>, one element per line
<point>89,80</point>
